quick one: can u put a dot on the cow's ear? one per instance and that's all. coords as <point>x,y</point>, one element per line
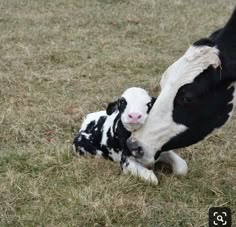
<point>151,103</point>
<point>112,107</point>
<point>205,42</point>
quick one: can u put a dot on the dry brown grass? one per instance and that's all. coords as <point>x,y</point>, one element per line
<point>62,59</point>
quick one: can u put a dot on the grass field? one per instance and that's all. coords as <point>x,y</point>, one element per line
<point>61,59</point>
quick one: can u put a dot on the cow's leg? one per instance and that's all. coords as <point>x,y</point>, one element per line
<point>130,166</point>
<point>179,165</point>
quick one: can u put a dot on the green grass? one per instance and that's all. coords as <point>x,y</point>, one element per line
<point>62,59</point>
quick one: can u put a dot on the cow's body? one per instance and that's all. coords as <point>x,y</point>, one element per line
<point>198,94</point>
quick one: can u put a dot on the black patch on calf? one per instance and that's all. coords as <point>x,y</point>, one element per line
<point>113,142</point>
<point>90,128</point>
<point>150,104</point>
<point>105,151</point>
<point>124,161</point>
<point>82,142</point>
<point>94,132</point>
<point>112,107</point>
<point>122,103</point>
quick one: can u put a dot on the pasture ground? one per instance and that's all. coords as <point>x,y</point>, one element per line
<point>61,59</point>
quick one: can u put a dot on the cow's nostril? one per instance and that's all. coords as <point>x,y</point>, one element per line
<point>134,116</point>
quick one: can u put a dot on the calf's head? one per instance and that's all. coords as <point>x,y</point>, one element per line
<point>197,96</point>
<point>133,106</point>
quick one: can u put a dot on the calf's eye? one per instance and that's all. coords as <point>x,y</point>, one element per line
<point>122,101</point>
<point>149,105</point>
<point>186,96</point>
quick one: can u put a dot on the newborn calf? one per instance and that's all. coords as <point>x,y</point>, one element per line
<point>105,133</point>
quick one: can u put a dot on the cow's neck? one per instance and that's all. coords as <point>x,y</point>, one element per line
<point>231,24</point>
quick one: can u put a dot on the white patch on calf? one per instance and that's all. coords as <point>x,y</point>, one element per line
<point>92,117</point>
<point>108,124</point>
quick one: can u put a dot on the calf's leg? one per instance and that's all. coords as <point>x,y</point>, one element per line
<point>131,166</point>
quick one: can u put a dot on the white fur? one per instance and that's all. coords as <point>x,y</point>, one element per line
<point>107,125</point>
<point>179,165</point>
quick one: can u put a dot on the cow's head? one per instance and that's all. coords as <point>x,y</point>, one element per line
<point>196,97</point>
<point>133,106</point>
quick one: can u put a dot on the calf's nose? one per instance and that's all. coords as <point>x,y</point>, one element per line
<point>134,117</point>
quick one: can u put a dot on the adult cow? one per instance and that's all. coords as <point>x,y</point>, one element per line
<point>198,93</point>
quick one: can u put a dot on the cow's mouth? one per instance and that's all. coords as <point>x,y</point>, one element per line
<point>137,153</point>
<point>135,149</point>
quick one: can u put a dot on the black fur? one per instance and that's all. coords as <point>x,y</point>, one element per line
<point>150,104</point>
<point>112,107</point>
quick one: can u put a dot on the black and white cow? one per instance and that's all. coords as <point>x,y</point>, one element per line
<point>105,133</point>
<point>198,93</point>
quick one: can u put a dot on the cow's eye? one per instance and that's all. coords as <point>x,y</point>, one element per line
<point>185,98</point>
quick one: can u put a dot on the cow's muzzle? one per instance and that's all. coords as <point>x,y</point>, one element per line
<point>134,147</point>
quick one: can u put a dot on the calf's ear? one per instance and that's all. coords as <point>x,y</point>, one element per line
<point>112,107</point>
